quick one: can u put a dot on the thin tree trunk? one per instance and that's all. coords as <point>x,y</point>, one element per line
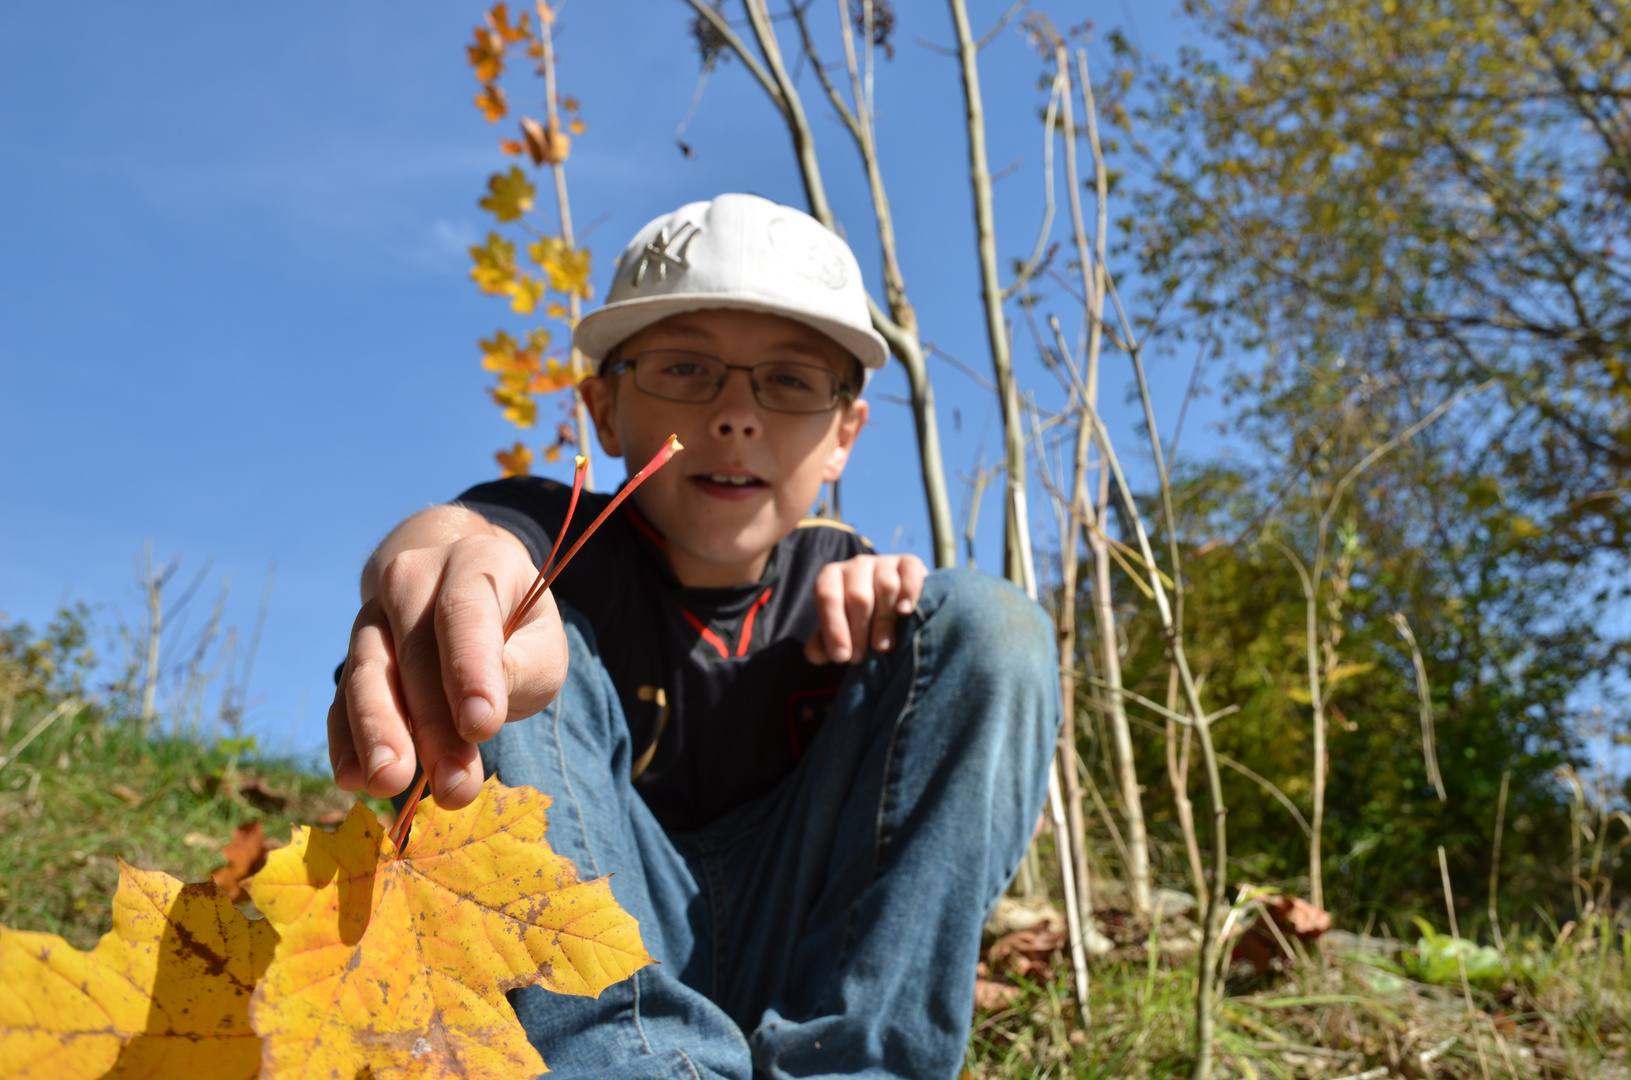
<point>1016,556</point>
<point>1178,773</point>
<point>580,413</point>
<point>1094,284</point>
<point>153,581</point>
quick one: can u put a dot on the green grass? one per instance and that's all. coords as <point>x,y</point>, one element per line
<point>89,792</point>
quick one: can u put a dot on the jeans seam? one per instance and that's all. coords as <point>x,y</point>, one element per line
<point>639,1028</point>
<point>566,782</point>
<point>692,1068</point>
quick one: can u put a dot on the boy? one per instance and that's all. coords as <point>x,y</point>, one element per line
<point>810,769</point>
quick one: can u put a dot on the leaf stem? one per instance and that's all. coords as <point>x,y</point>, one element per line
<point>540,585</point>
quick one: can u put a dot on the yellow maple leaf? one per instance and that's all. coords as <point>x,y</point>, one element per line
<point>164,993</point>
<point>516,461</point>
<point>519,407</point>
<point>555,376</point>
<point>567,267</point>
<point>494,267</point>
<point>509,195</point>
<point>400,965</point>
<point>525,291</point>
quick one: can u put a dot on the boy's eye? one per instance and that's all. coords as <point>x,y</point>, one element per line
<point>784,379</point>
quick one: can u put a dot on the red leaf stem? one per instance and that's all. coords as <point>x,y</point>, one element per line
<point>540,585</point>
<point>535,591</point>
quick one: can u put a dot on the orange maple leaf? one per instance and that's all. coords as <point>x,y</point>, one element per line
<point>491,103</point>
<point>164,993</point>
<point>486,55</point>
<point>400,963</point>
<point>516,461</point>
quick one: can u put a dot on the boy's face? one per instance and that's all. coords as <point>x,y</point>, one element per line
<point>720,532</point>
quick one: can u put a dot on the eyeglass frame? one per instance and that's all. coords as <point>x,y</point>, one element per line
<point>845,389</point>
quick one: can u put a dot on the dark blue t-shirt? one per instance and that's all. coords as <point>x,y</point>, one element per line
<point>719,698</point>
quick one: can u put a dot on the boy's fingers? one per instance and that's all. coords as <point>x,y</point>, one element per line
<point>342,753</point>
<point>912,576</point>
<point>886,587</point>
<point>469,627</point>
<point>380,729</point>
<point>858,604</point>
<point>534,661</point>
<point>815,648</point>
<point>456,776</point>
<point>831,620</point>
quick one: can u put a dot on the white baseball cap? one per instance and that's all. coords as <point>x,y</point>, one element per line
<point>738,251</point>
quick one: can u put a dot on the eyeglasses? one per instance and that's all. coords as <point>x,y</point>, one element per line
<point>783,386</point>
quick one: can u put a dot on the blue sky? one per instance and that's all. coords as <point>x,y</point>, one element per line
<point>236,317</point>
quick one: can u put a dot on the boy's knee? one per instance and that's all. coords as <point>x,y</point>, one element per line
<point>990,621</point>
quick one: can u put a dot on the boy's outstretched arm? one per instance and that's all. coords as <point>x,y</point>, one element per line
<point>858,601</point>
<point>428,674</point>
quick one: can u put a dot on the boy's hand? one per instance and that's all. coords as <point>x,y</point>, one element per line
<point>429,675</point>
<point>858,601</point>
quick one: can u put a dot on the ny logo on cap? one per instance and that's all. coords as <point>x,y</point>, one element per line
<point>664,252</point>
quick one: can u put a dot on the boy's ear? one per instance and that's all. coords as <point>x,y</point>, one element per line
<point>601,401</point>
<point>849,429</point>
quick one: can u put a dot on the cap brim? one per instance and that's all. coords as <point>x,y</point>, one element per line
<point>601,331</point>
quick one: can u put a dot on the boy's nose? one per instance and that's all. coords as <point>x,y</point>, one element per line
<point>736,411</point>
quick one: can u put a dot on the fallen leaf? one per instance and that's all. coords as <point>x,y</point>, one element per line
<point>992,996</point>
<point>1293,916</point>
<point>261,795</point>
<point>245,854</point>
<point>1024,953</point>
<point>400,965</point>
<point>164,993</point>
<point>200,840</point>
<point>328,819</point>
<point>126,794</point>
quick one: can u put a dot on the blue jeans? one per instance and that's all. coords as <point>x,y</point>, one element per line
<point>830,927</point>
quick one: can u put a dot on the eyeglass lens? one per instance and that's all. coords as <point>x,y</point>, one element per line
<point>779,385</point>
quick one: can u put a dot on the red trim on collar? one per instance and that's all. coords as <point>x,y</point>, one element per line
<point>707,635</point>
<point>742,642</point>
<point>747,624</point>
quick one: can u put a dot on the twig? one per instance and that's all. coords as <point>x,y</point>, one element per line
<point>1495,861</point>
<point>1017,550</point>
<point>1424,695</point>
<point>1461,961</point>
<point>64,707</point>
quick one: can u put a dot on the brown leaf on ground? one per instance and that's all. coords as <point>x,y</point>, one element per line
<point>259,794</point>
<point>126,794</point>
<point>1027,953</point>
<point>1293,917</point>
<point>992,996</point>
<point>245,854</point>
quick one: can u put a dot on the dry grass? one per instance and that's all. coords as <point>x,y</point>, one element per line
<point>1563,1014</point>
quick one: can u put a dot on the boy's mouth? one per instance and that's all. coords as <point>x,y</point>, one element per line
<point>728,485</point>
